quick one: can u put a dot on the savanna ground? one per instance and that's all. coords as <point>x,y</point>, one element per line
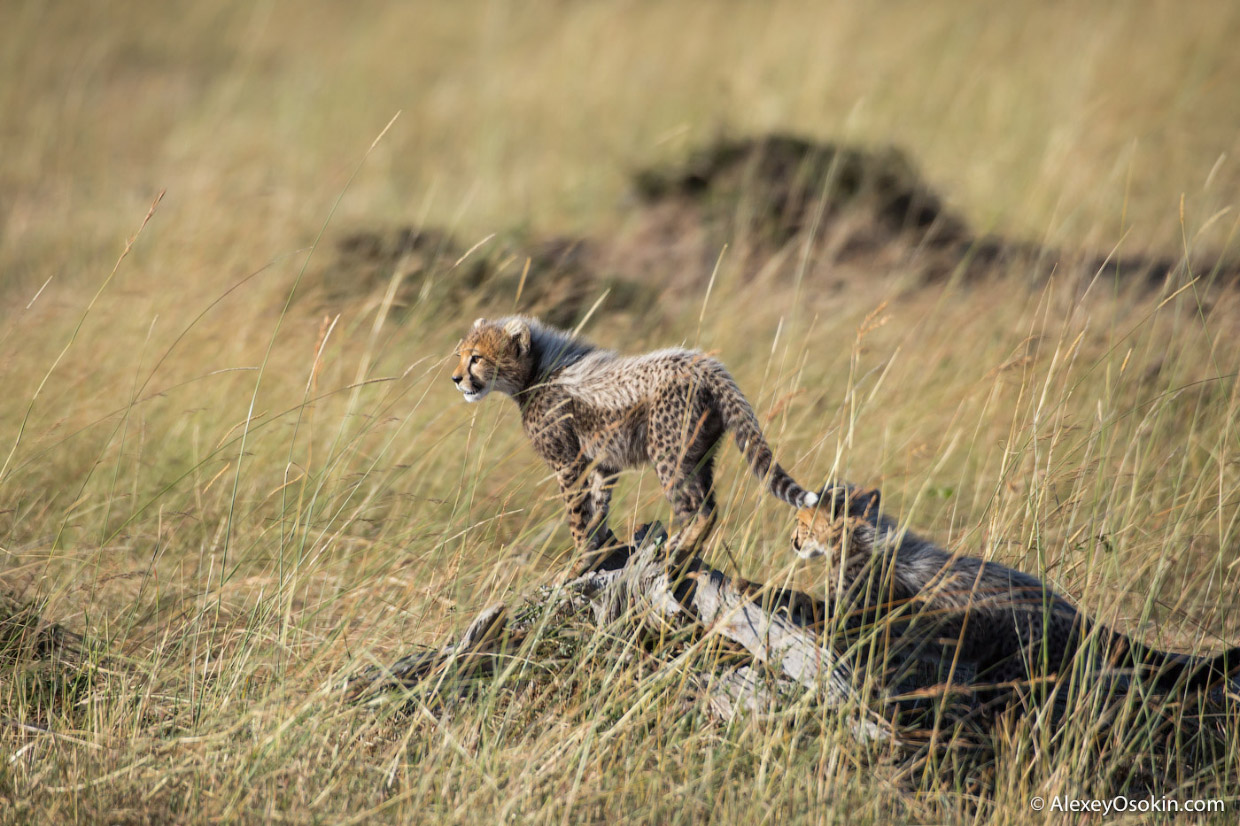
<point>234,470</point>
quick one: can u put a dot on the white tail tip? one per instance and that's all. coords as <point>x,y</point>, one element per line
<point>809,499</point>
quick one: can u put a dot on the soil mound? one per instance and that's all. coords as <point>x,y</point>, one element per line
<point>862,213</point>
<point>789,184</point>
<point>555,278</point>
<point>784,207</point>
<point>25,635</point>
<point>43,662</point>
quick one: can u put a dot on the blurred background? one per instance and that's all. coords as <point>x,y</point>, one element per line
<point>979,254</point>
<point>1049,120</point>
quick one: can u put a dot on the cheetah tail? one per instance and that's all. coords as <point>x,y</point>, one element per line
<point>1173,670</point>
<point>1211,670</point>
<point>739,418</point>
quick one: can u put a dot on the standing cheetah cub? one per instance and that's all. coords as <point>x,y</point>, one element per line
<point>591,413</point>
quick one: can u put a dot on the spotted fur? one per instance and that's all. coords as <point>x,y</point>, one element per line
<point>991,621</point>
<point>591,413</point>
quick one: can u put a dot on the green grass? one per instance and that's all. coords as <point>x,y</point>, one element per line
<point>239,500</point>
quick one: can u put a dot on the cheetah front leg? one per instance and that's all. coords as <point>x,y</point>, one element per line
<point>587,495</point>
<point>573,488</point>
<point>602,543</point>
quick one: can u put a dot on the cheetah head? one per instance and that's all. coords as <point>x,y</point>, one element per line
<point>838,525</point>
<point>494,355</point>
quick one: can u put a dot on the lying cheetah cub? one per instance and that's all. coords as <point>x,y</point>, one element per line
<point>998,623</point>
<point>591,413</point>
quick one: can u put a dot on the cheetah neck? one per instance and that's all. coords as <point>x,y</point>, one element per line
<point>552,349</point>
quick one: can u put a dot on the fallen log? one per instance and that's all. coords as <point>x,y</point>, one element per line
<point>639,585</point>
<point>780,653</point>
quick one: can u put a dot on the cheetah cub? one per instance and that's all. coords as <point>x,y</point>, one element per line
<point>591,413</point>
<point>993,621</point>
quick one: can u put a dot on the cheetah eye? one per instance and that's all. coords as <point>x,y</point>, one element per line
<point>474,359</point>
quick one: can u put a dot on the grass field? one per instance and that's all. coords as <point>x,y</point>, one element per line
<point>225,487</point>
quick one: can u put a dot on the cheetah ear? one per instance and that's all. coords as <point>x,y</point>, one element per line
<point>478,322</point>
<point>836,497</point>
<point>865,502</point>
<point>519,331</point>
<point>846,499</point>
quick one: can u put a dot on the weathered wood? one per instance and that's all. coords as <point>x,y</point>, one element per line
<point>481,636</point>
<point>746,690</point>
<point>688,594</point>
<point>770,637</point>
<point>720,605</point>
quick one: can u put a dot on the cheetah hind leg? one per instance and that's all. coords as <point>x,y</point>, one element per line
<point>682,449</point>
<point>693,505</point>
<point>689,540</point>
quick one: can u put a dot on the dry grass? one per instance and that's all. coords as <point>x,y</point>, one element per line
<point>237,500</point>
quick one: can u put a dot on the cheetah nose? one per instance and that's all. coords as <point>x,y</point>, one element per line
<point>457,379</point>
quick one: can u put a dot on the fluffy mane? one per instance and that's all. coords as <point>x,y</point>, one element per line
<point>553,348</point>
